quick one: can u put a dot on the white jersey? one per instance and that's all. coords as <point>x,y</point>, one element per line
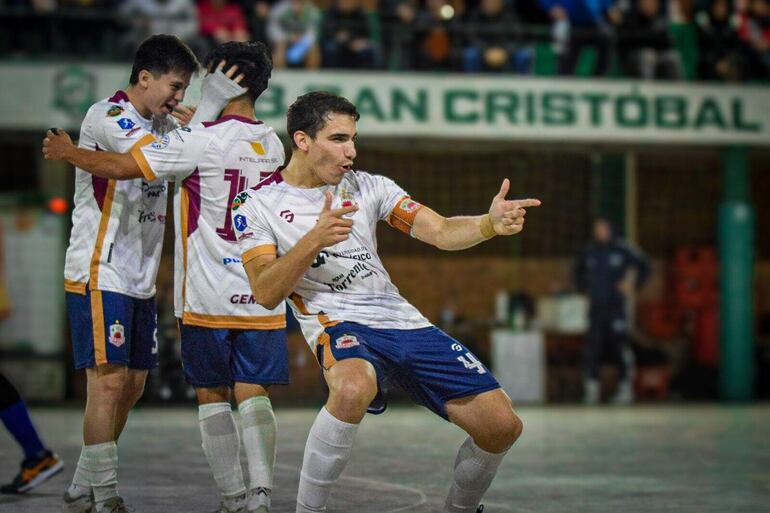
<point>211,164</point>
<point>347,281</point>
<point>117,226</point>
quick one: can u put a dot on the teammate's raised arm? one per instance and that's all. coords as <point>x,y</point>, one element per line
<point>105,164</point>
<point>505,217</point>
<point>273,279</point>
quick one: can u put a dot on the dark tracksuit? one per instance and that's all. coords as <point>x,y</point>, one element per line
<point>598,271</point>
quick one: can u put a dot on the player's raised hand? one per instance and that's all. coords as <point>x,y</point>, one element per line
<point>184,114</point>
<point>230,71</point>
<point>332,227</point>
<point>507,216</point>
<point>56,144</point>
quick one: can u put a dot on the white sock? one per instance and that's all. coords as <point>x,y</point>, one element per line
<point>474,470</point>
<point>258,421</point>
<point>327,451</point>
<point>81,480</point>
<point>222,448</point>
<point>100,463</point>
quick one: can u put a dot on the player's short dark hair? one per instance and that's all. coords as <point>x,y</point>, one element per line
<point>161,54</point>
<point>310,112</point>
<point>253,60</point>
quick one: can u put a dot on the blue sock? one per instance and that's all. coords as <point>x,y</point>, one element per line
<point>17,421</point>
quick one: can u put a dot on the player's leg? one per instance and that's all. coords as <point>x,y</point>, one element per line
<point>352,379</point>
<point>132,392</point>
<point>492,428</point>
<point>143,357</point>
<point>352,387</point>
<point>39,463</point>
<point>260,359</point>
<point>206,356</point>
<point>101,325</point>
<point>449,379</point>
<point>259,442</point>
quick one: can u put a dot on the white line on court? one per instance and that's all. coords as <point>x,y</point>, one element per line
<point>423,499</point>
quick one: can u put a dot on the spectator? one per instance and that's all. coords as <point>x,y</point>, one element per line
<point>494,40</point>
<point>347,37</point>
<point>601,272</point>
<point>398,19</point>
<point>293,32</point>
<point>148,17</point>
<point>222,22</point>
<point>433,31</point>
<point>754,31</point>
<point>258,13</point>
<point>580,24</point>
<point>645,45</point>
<point>722,56</point>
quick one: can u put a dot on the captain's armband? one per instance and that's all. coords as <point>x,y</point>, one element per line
<point>403,214</point>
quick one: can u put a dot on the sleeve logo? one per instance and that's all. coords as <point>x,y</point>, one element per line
<point>126,123</point>
<point>240,222</point>
<point>408,205</point>
<point>114,111</point>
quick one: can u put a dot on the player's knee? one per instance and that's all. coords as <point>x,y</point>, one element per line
<point>357,392</point>
<point>503,429</point>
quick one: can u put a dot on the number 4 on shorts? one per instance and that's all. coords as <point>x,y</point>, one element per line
<point>471,362</point>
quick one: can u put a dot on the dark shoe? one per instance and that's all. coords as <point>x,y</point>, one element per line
<point>34,473</point>
<point>481,509</point>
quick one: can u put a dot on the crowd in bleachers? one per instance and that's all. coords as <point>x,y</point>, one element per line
<point>724,40</point>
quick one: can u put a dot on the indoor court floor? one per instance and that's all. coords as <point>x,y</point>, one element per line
<point>657,459</point>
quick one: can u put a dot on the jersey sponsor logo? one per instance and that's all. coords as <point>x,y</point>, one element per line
<point>133,131</point>
<point>243,299</point>
<point>343,281</point>
<point>117,334</point>
<point>231,260</point>
<point>240,222</point>
<point>115,110</point>
<point>408,205</point>
<point>240,199</point>
<point>320,259</point>
<point>161,143</point>
<point>346,342</point>
<point>126,123</point>
<point>153,190</point>
<point>288,215</point>
<point>253,160</point>
<point>151,217</point>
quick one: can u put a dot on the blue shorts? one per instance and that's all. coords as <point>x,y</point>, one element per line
<point>214,357</point>
<point>108,327</point>
<point>428,364</point>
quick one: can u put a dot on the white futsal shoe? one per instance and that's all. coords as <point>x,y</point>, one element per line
<point>259,500</point>
<point>80,504</point>
<point>114,505</point>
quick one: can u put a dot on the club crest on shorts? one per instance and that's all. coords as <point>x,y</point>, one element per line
<point>117,334</point>
<point>346,342</point>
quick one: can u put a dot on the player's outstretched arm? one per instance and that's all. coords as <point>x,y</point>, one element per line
<point>105,164</point>
<point>273,279</point>
<point>505,217</point>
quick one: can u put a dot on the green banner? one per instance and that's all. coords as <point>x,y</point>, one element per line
<point>444,106</point>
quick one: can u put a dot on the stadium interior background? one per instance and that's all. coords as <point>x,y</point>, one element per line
<point>449,145</point>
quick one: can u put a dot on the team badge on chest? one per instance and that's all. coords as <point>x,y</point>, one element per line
<point>346,342</point>
<point>117,334</point>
